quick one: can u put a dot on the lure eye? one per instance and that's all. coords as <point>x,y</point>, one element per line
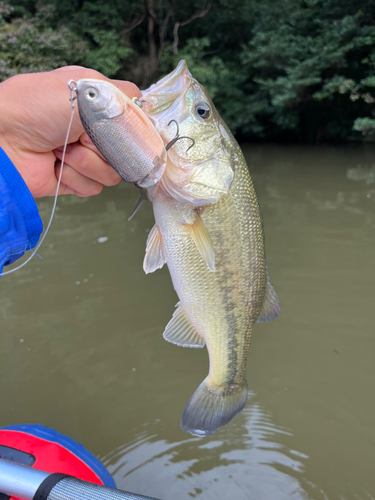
<point>91,94</point>
<point>202,110</point>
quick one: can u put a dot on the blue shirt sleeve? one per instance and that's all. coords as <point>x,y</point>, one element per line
<point>20,224</point>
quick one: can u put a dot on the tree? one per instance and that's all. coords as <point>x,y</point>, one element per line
<point>276,69</point>
<point>28,45</point>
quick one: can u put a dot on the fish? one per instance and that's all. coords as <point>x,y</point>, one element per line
<point>209,231</point>
<point>122,132</point>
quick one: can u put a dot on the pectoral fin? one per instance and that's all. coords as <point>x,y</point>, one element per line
<point>181,332</point>
<point>154,258</point>
<point>203,241</point>
<point>271,304</point>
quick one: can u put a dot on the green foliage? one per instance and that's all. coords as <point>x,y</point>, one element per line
<point>26,45</point>
<point>108,56</point>
<point>281,69</point>
<point>305,58</point>
<point>365,125</point>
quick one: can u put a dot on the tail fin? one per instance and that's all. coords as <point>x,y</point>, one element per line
<point>209,409</point>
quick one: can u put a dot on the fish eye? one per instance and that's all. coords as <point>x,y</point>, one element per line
<point>203,110</point>
<point>91,94</point>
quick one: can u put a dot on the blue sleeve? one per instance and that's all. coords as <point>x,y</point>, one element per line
<point>20,224</point>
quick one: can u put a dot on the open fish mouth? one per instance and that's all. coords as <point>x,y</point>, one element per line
<point>165,93</point>
<point>173,83</point>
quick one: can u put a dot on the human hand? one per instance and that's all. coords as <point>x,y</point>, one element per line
<point>34,116</point>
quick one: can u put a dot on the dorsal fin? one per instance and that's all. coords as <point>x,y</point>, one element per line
<point>154,258</point>
<point>203,241</point>
<point>271,304</point>
<point>181,332</point>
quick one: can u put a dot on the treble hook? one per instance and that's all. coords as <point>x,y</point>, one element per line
<point>177,138</point>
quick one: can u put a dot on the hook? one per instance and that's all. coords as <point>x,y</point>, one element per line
<point>177,138</point>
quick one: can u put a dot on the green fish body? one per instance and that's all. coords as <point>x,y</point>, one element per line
<point>209,231</point>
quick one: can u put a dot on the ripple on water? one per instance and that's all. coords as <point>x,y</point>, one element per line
<point>244,460</point>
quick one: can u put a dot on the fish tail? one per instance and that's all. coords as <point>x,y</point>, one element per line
<point>209,409</point>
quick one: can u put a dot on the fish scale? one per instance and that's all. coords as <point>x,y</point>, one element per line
<point>219,303</point>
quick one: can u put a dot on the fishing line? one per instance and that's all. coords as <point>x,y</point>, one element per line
<point>72,89</point>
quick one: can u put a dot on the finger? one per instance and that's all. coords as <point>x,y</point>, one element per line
<point>76,183</point>
<point>63,189</point>
<point>87,162</point>
<point>87,143</point>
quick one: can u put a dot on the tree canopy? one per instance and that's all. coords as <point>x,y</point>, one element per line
<point>276,69</point>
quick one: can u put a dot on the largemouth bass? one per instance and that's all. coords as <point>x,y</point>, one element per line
<point>121,132</point>
<point>209,231</point>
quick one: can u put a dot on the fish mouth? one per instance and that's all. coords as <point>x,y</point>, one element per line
<point>176,81</point>
<point>165,93</point>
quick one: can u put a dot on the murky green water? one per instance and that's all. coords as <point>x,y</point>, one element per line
<point>82,348</point>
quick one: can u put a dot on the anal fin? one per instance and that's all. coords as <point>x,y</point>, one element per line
<point>271,304</point>
<point>154,258</point>
<point>202,239</point>
<point>181,332</point>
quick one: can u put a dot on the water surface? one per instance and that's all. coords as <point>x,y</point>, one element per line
<point>82,348</point>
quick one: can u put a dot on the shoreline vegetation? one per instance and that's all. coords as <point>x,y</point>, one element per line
<point>279,70</point>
